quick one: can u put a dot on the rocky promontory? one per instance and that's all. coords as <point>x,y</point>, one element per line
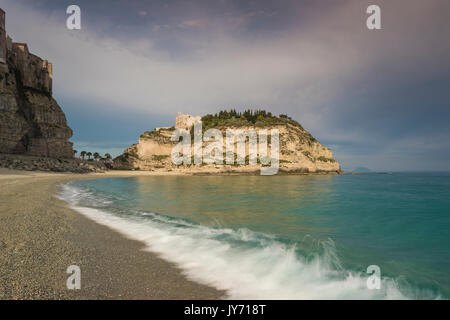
<point>299,151</point>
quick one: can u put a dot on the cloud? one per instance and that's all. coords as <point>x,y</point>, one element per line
<point>142,13</point>
<point>133,74</point>
<point>353,88</point>
<point>194,23</point>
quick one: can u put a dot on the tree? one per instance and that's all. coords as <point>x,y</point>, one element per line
<point>75,152</point>
<point>89,155</point>
<point>108,156</point>
<point>83,154</point>
<point>96,155</point>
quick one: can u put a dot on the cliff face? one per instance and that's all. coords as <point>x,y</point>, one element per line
<point>31,121</point>
<point>299,151</point>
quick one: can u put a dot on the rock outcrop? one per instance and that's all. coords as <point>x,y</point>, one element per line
<point>30,163</point>
<point>299,151</point>
<point>31,121</point>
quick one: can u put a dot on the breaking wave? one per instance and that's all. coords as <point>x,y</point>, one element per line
<point>246,264</point>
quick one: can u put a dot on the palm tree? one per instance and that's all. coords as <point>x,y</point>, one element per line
<point>75,152</point>
<point>89,155</point>
<point>107,156</point>
<point>96,155</point>
<point>83,154</point>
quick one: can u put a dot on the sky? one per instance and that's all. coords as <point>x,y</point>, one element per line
<point>377,98</point>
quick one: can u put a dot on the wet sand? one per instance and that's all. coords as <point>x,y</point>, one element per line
<point>40,236</point>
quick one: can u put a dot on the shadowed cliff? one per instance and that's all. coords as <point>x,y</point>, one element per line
<point>31,121</point>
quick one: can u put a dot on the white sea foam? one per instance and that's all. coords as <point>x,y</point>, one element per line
<point>270,270</point>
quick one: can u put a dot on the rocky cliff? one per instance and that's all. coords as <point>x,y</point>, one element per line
<point>299,151</point>
<point>31,121</point>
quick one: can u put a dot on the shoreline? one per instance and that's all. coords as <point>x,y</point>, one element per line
<point>40,236</point>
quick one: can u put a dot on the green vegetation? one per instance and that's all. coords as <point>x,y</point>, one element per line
<point>95,155</point>
<point>323,159</point>
<point>258,118</point>
<point>157,136</point>
<point>309,156</point>
<point>159,157</point>
<point>122,158</point>
<point>133,151</point>
<point>149,134</point>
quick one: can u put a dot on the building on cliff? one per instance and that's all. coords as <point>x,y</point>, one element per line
<point>31,121</point>
<point>299,151</point>
<point>2,39</point>
<point>185,121</point>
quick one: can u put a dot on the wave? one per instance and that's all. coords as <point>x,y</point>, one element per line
<point>246,264</point>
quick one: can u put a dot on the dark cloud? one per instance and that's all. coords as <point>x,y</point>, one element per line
<point>379,99</point>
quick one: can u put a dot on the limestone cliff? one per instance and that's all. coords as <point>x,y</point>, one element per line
<point>299,151</point>
<point>31,121</point>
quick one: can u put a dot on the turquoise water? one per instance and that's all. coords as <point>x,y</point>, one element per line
<point>287,237</point>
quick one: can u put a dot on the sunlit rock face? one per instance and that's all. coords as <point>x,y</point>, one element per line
<point>185,121</point>
<point>299,151</point>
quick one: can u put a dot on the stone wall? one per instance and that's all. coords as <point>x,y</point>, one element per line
<point>35,72</point>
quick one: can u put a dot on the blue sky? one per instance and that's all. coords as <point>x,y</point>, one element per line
<point>378,99</point>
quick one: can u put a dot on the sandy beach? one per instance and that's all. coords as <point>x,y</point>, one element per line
<point>40,236</point>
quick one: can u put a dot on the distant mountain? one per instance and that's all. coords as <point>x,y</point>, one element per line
<point>361,169</point>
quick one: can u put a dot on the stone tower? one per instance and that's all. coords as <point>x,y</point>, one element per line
<point>186,121</point>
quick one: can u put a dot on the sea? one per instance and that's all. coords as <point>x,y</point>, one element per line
<point>350,236</point>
